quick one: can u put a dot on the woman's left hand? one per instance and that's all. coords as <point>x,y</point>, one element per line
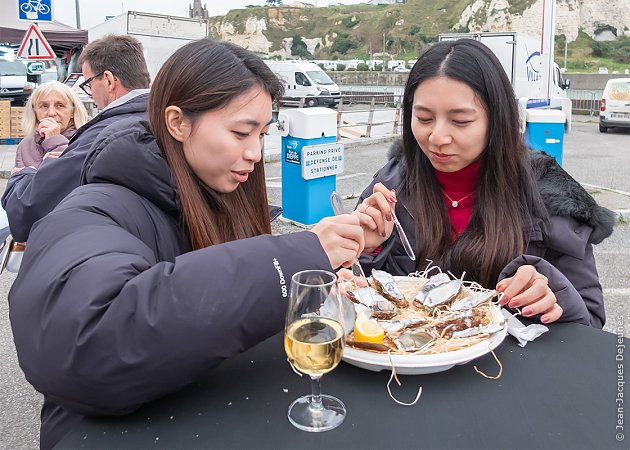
<point>529,290</point>
<point>374,212</point>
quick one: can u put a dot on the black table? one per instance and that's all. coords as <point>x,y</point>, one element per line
<point>560,391</point>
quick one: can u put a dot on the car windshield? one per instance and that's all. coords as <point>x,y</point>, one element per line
<point>619,91</point>
<point>12,68</point>
<point>320,77</point>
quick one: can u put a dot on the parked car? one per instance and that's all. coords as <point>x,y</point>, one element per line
<point>602,70</point>
<point>615,105</point>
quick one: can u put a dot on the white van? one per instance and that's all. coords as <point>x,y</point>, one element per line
<point>615,106</point>
<point>306,80</point>
<point>13,83</point>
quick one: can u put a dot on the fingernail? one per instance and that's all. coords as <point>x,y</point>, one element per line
<point>527,312</point>
<point>544,319</point>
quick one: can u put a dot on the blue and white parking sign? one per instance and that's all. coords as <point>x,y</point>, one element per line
<point>35,10</point>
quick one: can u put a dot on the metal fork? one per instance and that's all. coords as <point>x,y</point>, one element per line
<point>335,201</point>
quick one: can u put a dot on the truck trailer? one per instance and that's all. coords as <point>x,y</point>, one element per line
<point>159,34</point>
<point>520,57</point>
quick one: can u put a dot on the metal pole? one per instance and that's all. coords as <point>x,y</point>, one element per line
<point>566,43</point>
<point>78,13</point>
<point>383,51</point>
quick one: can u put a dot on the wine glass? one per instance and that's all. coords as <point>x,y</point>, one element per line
<point>313,341</point>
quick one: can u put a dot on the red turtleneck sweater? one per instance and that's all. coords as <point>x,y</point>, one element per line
<point>459,186</point>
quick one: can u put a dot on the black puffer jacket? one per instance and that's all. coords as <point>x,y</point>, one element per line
<point>31,194</point>
<point>111,309</point>
<point>561,250</point>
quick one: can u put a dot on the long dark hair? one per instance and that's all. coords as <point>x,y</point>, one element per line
<point>505,198</point>
<point>201,76</point>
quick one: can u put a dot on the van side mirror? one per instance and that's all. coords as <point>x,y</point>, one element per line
<point>566,84</point>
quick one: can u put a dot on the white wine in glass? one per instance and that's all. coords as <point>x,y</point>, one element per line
<point>313,341</point>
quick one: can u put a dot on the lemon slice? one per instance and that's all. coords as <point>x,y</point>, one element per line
<point>368,330</point>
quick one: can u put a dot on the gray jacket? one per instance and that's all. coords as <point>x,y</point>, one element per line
<point>561,249</point>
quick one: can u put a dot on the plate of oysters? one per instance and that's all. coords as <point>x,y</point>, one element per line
<point>422,323</point>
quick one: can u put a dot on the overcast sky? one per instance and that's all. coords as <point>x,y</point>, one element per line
<point>93,12</point>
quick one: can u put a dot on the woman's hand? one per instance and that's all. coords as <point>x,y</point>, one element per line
<point>48,127</point>
<point>341,237</point>
<point>346,279</point>
<point>528,289</point>
<point>375,215</point>
<point>53,154</point>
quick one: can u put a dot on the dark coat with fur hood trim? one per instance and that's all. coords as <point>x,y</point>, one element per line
<point>560,249</point>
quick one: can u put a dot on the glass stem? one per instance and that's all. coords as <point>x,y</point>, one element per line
<point>316,397</point>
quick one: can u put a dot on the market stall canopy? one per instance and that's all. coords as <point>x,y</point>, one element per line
<point>59,35</point>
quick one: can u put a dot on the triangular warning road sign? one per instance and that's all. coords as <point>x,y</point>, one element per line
<point>35,46</point>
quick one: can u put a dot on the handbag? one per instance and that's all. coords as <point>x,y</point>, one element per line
<point>12,253</point>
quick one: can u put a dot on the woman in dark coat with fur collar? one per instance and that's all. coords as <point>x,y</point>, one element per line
<point>473,199</point>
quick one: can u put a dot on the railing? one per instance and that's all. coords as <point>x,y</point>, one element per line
<point>383,108</point>
<point>585,101</point>
<point>377,103</point>
<point>383,105</point>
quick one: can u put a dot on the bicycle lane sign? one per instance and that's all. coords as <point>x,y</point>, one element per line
<point>35,10</point>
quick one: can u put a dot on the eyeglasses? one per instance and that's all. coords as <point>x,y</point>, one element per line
<point>86,87</point>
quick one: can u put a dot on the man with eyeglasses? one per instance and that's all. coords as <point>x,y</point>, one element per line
<point>117,79</point>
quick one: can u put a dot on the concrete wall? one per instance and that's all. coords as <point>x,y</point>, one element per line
<point>369,78</point>
<point>590,81</point>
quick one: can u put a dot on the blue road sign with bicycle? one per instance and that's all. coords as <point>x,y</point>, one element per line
<point>35,10</point>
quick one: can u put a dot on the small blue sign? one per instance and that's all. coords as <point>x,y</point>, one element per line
<point>292,155</point>
<point>35,10</point>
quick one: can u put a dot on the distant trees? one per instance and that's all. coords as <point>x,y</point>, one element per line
<point>618,50</point>
<point>273,2</point>
<point>299,48</point>
<point>350,21</point>
<point>342,44</point>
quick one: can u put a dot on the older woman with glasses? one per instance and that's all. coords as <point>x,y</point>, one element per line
<point>52,115</point>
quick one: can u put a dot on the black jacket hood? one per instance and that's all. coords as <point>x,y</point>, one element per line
<point>126,154</point>
<point>562,195</point>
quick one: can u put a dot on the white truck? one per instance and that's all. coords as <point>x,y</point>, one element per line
<point>306,80</point>
<point>520,57</point>
<point>159,34</point>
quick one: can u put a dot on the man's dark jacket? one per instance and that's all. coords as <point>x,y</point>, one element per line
<point>31,194</point>
<point>111,309</point>
<point>560,248</point>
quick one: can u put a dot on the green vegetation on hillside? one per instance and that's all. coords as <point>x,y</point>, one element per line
<point>402,31</point>
<point>586,54</point>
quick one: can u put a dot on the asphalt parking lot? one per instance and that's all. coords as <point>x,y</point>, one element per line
<point>599,161</point>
